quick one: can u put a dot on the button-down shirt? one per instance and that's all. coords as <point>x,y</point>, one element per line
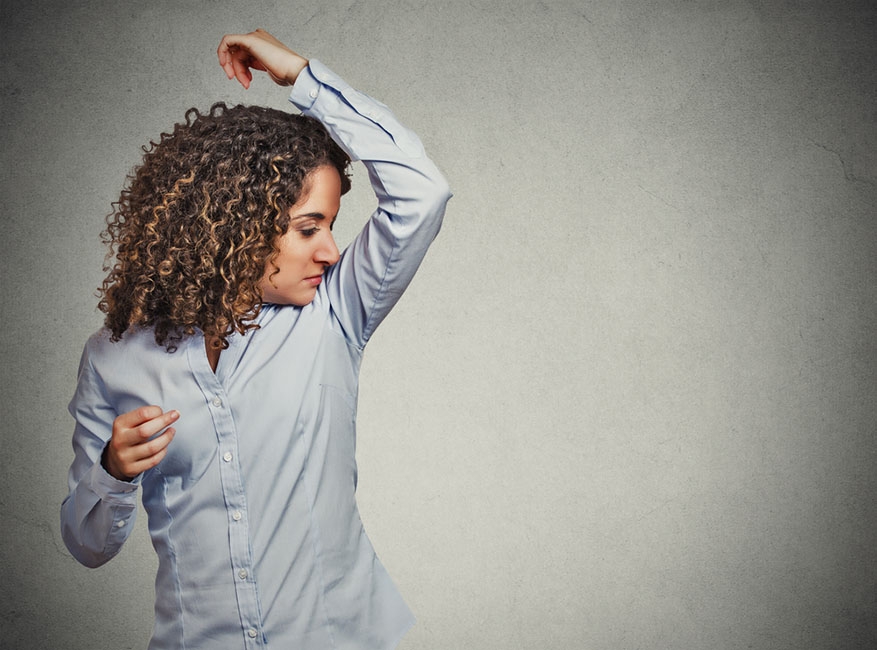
<point>252,512</point>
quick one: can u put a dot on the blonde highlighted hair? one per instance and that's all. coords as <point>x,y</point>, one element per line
<point>195,227</point>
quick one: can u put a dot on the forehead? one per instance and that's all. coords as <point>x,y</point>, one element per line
<point>321,193</point>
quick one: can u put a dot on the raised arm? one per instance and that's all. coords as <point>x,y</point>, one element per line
<point>378,265</point>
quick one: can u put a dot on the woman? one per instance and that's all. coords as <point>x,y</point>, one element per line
<point>232,316</point>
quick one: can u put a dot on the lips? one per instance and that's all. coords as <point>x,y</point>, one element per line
<point>314,280</point>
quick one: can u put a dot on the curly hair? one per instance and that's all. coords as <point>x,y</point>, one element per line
<point>197,223</point>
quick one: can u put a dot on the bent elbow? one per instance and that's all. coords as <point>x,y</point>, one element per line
<point>88,559</point>
<point>440,191</point>
<point>87,552</point>
<point>435,194</point>
<point>86,556</point>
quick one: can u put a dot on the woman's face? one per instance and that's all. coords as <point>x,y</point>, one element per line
<point>307,248</point>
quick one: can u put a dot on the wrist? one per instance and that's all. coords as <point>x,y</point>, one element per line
<point>110,468</point>
<point>296,66</point>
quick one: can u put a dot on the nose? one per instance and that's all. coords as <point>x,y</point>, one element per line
<point>327,252</point>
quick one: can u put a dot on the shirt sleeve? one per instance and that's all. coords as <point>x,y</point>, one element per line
<point>98,514</point>
<point>375,269</point>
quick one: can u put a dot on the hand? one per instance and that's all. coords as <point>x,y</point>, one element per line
<point>239,53</point>
<point>132,449</point>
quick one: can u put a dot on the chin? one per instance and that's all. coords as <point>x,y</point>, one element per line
<point>300,301</point>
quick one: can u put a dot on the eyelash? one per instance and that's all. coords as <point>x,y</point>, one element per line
<point>310,232</point>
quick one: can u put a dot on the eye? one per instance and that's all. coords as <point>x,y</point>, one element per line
<point>309,232</point>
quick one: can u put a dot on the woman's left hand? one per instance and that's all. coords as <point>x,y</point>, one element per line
<point>258,50</point>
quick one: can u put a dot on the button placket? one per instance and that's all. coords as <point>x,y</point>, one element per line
<point>232,488</point>
<point>219,406</point>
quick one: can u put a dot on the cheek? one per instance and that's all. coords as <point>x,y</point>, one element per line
<point>293,256</point>
<point>286,250</point>
<point>293,259</point>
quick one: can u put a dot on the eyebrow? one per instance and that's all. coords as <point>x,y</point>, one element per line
<point>319,216</point>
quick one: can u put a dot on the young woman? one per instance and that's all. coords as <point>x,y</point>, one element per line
<point>223,386</point>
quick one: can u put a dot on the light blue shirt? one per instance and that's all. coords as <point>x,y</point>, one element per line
<point>253,512</point>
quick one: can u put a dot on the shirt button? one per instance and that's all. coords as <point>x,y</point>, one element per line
<point>227,457</point>
<point>121,523</point>
<point>236,515</point>
<point>252,633</point>
<point>313,94</point>
<point>242,574</point>
<point>217,402</point>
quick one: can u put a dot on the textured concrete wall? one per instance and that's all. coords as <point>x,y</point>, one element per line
<point>630,400</point>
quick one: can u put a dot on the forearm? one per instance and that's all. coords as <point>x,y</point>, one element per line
<point>407,184</point>
<point>380,262</point>
<point>98,514</point>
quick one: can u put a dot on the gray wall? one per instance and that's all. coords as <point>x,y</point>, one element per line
<point>629,401</point>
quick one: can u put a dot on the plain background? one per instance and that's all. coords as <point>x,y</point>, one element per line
<point>630,399</point>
